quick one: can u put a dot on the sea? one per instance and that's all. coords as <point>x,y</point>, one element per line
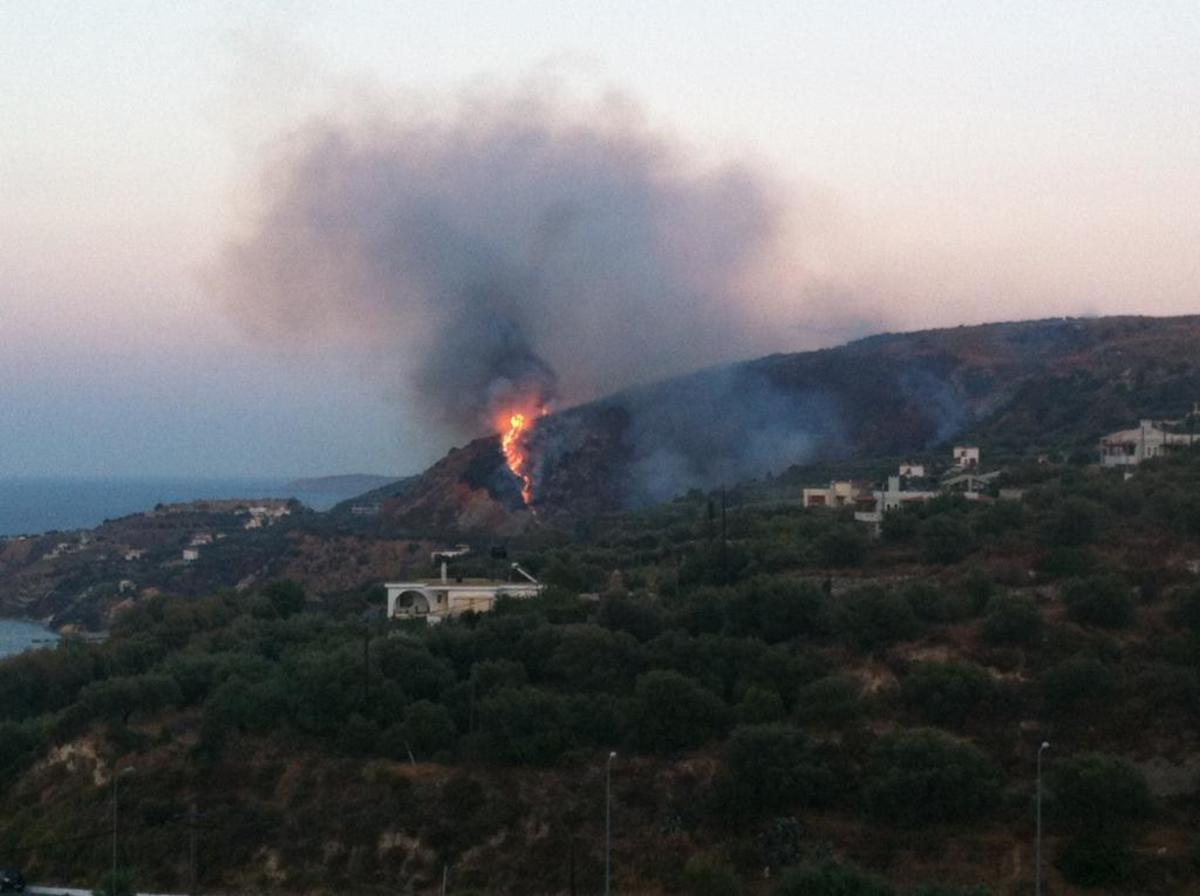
<point>31,505</point>
<point>17,636</point>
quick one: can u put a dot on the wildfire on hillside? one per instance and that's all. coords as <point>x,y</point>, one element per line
<point>516,426</point>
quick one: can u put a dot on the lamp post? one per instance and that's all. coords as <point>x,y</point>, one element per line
<point>608,823</point>
<point>112,881</point>
<point>1037,860</point>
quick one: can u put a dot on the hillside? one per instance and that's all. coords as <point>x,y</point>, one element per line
<point>1018,388</point>
<point>796,709</point>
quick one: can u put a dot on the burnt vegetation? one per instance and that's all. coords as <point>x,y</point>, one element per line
<point>796,708</point>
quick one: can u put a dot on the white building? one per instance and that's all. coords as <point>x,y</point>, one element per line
<point>966,456</point>
<point>912,471</point>
<point>891,498</point>
<point>838,494</point>
<point>1130,447</point>
<point>438,599</point>
<point>191,555</point>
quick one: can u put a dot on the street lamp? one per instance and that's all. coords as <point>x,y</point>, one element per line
<point>112,881</point>
<point>1037,860</point>
<point>608,823</point>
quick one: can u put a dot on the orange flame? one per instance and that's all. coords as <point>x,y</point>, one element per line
<point>514,444</point>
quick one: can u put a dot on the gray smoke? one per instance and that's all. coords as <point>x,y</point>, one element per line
<point>508,249</point>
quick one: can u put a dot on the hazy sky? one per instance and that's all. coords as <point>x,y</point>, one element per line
<point>947,162</point>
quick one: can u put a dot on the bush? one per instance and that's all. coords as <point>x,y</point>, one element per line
<point>773,767</point>
<point>1098,793</point>
<point>782,609</point>
<point>842,546</point>
<point>286,597</point>
<point>428,728</point>
<point>947,693</point>
<point>703,876</point>
<point>673,712</point>
<point>523,725</point>
<point>1078,682</point>
<point>830,878</point>
<point>1187,610</point>
<point>759,705</point>
<point>1096,860</point>
<point>925,777</point>
<point>1012,620</point>
<point>1102,601</point>
<point>945,539</point>
<point>876,617</point>
<point>832,700</point>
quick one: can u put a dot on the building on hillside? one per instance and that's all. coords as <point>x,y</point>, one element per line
<point>201,538</point>
<point>966,457</point>
<point>191,555</point>
<point>837,494</point>
<point>969,483</point>
<point>912,471</point>
<point>1129,447</point>
<point>436,599</point>
<point>893,497</point>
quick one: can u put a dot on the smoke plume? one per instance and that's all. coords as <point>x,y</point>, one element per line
<point>505,249</point>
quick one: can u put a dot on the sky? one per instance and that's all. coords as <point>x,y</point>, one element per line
<point>943,163</point>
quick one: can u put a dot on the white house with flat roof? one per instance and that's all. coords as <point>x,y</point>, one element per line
<point>1130,447</point>
<point>438,599</point>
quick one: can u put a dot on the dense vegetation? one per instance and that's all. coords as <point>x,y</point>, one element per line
<point>796,708</point>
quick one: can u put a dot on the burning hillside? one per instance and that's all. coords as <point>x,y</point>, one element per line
<point>884,396</point>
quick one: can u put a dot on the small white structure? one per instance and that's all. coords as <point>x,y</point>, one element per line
<point>838,494</point>
<point>966,457</point>
<point>890,498</point>
<point>201,538</point>
<point>912,471</point>
<point>134,554</point>
<point>438,599</point>
<point>1130,447</point>
<point>191,555</point>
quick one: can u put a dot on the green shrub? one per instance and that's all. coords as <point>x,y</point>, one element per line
<point>875,617</point>
<point>703,876</point>
<point>830,878</point>
<point>841,546</point>
<point>1102,601</point>
<point>832,700</point>
<point>769,767</point>
<point>1096,860</point>
<point>672,712</point>
<point>947,693</point>
<point>1012,620</point>
<point>923,777</point>
<point>945,539</point>
<point>1096,793</point>
<point>1078,683</point>
<point>523,725</point>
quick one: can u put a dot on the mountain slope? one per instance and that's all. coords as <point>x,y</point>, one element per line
<point>1015,387</point>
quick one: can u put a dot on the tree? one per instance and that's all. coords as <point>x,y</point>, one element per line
<point>286,597</point>
<point>1078,682</point>
<point>672,712</point>
<point>1098,798</point>
<point>703,876</point>
<point>832,700</point>
<point>1102,601</point>
<point>876,617</point>
<point>830,878</point>
<point>945,539</point>
<point>923,777</point>
<point>428,728</point>
<point>769,767</point>
<point>523,725</point>
<point>841,546</point>
<point>1012,620</point>
<point>947,693</point>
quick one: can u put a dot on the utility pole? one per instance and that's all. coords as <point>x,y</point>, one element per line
<point>192,848</point>
<point>608,824</point>
<point>1037,860</point>
<point>116,775</point>
<point>724,542</point>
